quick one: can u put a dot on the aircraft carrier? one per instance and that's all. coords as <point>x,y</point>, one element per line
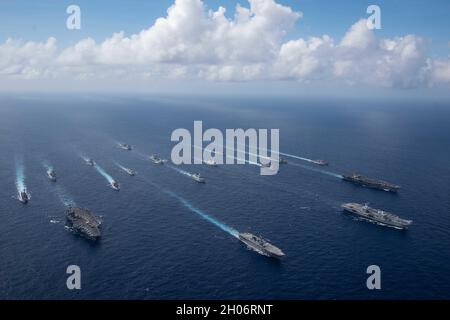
<point>370,183</point>
<point>261,246</point>
<point>84,222</point>
<point>379,216</point>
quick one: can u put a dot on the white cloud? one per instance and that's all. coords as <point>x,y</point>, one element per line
<point>26,60</point>
<point>192,42</point>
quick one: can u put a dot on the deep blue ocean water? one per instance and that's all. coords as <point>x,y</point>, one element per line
<point>155,247</point>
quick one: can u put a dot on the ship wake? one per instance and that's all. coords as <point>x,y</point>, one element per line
<point>20,178</point>
<point>179,170</point>
<point>47,166</point>
<point>104,174</point>
<point>203,214</point>
<point>227,156</point>
<point>121,167</point>
<point>64,197</point>
<point>233,232</point>
<point>329,173</point>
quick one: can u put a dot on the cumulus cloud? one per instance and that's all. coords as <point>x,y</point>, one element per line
<point>26,60</point>
<point>194,42</point>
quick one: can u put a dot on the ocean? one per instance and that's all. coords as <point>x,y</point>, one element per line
<point>166,237</point>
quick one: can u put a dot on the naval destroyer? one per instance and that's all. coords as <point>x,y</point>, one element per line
<point>115,185</point>
<point>90,162</point>
<point>51,175</point>
<point>370,183</point>
<point>84,222</point>
<point>197,177</point>
<point>379,216</point>
<point>24,197</point>
<point>261,246</point>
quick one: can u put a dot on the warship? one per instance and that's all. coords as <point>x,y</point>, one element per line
<point>84,222</point>
<point>24,197</point>
<point>157,160</point>
<point>130,172</point>
<point>371,183</point>
<point>260,245</point>
<point>51,175</point>
<point>379,216</point>
<point>320,162</point>
<point>125,146</point>
<point>115,185</point>
<point>197,177</point>
<point>283,161</point>
<point>90,162</point>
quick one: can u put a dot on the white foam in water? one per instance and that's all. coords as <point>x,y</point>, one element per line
<point>104,174</point>
<point>47,166</point>
<point>296,157</point>
<point>201,213</point>
<point>204,215</point>
<point>232,157</point>
<point>179,170</point>
<point>20,178</point>
<point>121,167</point>
<point>64,197</point>
<point>318,170</point>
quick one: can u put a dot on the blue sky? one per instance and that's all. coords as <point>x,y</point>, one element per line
<point>266,44</point>
<point>37,20</point>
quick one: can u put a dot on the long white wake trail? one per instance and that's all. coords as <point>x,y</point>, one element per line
<point>121,167</point>
<point>232,157</point>
<point>329,173</point>
<point>104,173</point>
<point>336,175</point>
<point>64,197</point>
<point>233,232</point>
<point>20,177</point>
<point>179,170</point>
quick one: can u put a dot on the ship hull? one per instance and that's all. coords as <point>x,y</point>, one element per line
<point>368,184</point>
<point>84,223</point>
<point>259,249</point>
<point>398,225</point>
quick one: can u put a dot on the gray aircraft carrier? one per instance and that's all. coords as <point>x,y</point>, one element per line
<point>370,182</point>
<point>379,216</point>
<point>261,246</point>
<point>84,222</point>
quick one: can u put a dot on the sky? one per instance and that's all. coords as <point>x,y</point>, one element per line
<point>289,45</point>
